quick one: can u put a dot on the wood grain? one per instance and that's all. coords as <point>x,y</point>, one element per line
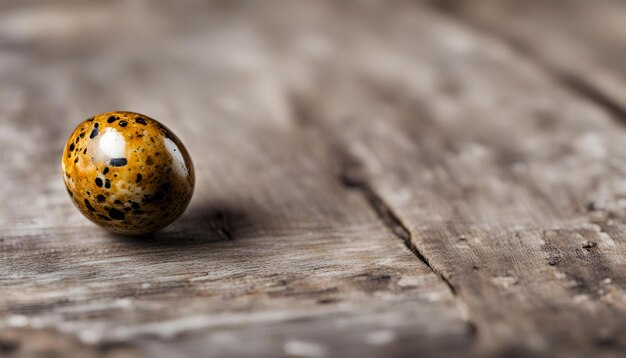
<point>372,180</point>
<point>275,256</point>
<point>581,43</point>
<point>508,183</point>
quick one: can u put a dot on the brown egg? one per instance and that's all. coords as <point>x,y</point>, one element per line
<point>127,172</point>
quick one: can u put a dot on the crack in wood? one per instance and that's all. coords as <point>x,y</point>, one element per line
<point>387,216</point>
<point>352,178</point>
<point>590,92</point>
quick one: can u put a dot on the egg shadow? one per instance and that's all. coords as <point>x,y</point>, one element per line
<point>200,225</point>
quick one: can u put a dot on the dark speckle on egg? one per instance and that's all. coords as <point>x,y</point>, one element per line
<point>118,162</point>
<point>88,205</point>
<point>94,132</point>
<point>116,214</point>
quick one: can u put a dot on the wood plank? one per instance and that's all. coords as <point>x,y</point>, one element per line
<point>275,256</point>
<point>582,42</point>
<point>510,185</point>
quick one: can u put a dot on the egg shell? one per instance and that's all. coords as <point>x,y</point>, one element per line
<point>127,172</point>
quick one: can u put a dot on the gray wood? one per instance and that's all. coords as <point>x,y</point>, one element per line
<point>582,43</point>
<point>509,184</point>
<point>372,180</point>
<point>274,256</point>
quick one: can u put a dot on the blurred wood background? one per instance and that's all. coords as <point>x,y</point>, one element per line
<point>397,178</point>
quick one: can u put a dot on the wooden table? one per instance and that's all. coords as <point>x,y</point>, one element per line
<point>373,179</point>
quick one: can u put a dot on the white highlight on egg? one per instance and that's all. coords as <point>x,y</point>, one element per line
<point>112,144</point>
<point>175,153</point>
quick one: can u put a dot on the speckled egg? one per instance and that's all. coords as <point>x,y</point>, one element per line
<point>127,172</point>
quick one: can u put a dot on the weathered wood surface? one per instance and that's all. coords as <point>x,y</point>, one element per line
<point>581,43</point>
<point>372,179</point>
